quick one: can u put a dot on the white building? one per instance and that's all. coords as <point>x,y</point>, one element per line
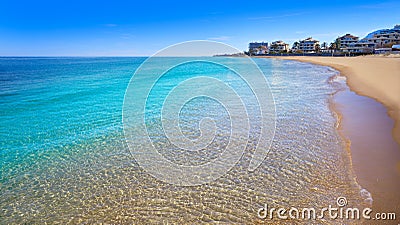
<point>345,41</point>
<point>308,45</point>
<point>278,46</point>
<point>258,48</point>
<point>375,40</point>
<point>382,50</point>
<point>363,46</point>
<point>385,36</point>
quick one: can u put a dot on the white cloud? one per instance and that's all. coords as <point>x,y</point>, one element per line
<point>219,38</point>
<point>110,25</point>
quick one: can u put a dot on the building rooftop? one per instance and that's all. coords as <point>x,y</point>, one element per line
<point>384,31</point>
<point>308,39</point>
<point>348,36</point>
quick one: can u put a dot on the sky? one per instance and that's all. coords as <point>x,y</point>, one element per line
<point>141,28</point>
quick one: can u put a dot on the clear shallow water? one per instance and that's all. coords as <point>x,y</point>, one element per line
<point>63,156</point>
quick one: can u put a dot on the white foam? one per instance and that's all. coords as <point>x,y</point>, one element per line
<point>366,195</point>
<point>339,78</point>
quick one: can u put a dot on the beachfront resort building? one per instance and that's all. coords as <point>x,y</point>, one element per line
<point>278,47</point>
<point>379,39</point>
<point>258,48</point>
<point>362,46</point>
<point>385,37</point>
<point>345,41</point>
<point>308,45</point>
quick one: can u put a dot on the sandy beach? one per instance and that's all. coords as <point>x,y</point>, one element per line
<point>370,134</point>
<point>376,77</point>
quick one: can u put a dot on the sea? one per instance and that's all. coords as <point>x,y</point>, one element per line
<point>65,158</point>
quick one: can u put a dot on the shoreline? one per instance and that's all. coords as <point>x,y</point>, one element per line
<point>354,80</point>
<point>368,123</point>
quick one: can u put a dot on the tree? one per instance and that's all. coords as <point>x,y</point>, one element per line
<point>262,49</point>
<point>252,52</point>
<point>337,42</point>
<point>295,45</point>
<point>317,48</point>
<point>274,48</point>
<point>332,46</point>
<point>324,45</point>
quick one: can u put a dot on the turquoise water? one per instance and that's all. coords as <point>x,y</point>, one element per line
<point>63,156</point>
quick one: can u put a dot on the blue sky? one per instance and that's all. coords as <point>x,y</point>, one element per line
<point>121,28</point>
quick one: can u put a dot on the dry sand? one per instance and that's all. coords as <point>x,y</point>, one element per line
<point>369,132</point>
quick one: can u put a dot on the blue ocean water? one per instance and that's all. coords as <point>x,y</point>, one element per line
<point>63,156</point>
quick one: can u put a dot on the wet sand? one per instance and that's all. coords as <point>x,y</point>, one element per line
<point>374,153</point>
<point>364,123</point>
